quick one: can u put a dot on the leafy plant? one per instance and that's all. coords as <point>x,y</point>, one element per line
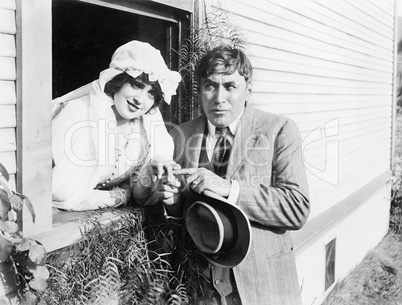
<point>27,256</point>
<point>215,29</point>
<point>395,222</point>
<point>128,261</point>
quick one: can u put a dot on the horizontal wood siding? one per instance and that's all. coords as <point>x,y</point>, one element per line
<point>8,99</point>
<point>329,66</point>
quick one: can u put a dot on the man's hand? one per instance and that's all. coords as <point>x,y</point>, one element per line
<point>201,179</point>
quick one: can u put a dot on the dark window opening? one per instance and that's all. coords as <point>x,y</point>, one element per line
<point>85,36</point>
<point>330,250</point>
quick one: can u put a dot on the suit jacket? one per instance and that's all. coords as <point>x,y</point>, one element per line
<point>266,160</point>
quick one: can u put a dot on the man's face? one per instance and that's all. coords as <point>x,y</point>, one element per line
<point>224,97</point>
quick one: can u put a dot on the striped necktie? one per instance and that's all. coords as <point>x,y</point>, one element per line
<point>220,156</point>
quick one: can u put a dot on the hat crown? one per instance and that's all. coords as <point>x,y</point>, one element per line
<point>220,230</point>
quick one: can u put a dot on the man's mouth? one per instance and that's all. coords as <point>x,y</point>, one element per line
<point>219,111</point>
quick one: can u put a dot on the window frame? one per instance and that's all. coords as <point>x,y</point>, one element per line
<point>34,93</point>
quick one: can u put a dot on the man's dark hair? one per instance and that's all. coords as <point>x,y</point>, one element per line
<point>225,60</point>
<point>117,82</point>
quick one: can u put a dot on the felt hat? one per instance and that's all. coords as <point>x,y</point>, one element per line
<point>219,229</point>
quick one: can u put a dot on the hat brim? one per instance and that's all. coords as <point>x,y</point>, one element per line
<point>242,244</point>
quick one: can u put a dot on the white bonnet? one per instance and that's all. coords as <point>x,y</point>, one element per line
<point>135,58</point>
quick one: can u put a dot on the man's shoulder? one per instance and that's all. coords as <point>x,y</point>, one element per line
<point>269,118</point>
<point>187,128</point>
<point>192,124</point>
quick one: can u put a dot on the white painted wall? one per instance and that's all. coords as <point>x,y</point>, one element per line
<point>355,235</point>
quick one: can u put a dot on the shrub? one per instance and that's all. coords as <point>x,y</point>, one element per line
<point>26,256</point>
<point>395,222</point>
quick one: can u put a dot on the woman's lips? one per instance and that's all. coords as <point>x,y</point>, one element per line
<point>132,106</point>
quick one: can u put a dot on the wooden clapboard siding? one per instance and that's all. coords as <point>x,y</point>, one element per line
<point>8,160</point>
<point>7,140</point>
<point>8,99</point>
<point>329,66</point>
<point>7,68</point>
<point>8,117</point>
<point>8,4</point>
<point>7,20</point>
<point>7,43</point>
<point>7,92</point>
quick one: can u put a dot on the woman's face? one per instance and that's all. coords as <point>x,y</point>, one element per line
<point>132,101</point>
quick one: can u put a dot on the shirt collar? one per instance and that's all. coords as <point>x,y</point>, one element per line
<point>232,127</point>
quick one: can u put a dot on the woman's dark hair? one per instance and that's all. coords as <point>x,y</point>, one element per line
<point>117,82</point>
<point>225,60</point>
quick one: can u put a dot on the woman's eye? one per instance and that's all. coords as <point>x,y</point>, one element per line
<point>137,85</point>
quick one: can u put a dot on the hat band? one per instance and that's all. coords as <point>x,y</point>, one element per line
<point>230,233</point>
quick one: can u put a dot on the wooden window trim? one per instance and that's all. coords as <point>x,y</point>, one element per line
<point>34,96</point>
<point>140,9</point>
<point>68,227</point>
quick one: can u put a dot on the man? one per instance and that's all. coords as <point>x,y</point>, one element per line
<point>262,173</point>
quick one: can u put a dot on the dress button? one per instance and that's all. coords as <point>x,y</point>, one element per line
<point>216,282</point>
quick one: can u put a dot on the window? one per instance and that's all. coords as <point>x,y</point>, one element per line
<point>61,45</point>
<point>330,250</point>
<point>85,35</point>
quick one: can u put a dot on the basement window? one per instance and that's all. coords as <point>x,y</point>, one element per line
<point>330,250</point>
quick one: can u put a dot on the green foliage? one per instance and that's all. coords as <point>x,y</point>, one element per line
<point>395,222</point>
<point>216,28</point>
<point>185,259</point>
<point>27,256</point>
<point>128,261</point>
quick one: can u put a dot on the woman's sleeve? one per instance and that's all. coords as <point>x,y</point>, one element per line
<point>144,187</point>
<point>75,172</point>
<point>98,199</point>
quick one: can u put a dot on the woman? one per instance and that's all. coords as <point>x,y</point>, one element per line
<point>105,132</point>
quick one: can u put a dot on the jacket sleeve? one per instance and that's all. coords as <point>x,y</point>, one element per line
<point>281,200</point>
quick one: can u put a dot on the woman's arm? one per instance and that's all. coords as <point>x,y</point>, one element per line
<point>98,199</point>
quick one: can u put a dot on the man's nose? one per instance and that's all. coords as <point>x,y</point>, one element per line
<point>220,96</point>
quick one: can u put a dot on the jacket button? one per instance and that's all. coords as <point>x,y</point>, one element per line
<point>216,282</point>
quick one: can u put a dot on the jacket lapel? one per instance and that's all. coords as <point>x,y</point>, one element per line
<point>246,137</point>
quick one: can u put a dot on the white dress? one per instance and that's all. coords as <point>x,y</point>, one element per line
<point>91,157</point>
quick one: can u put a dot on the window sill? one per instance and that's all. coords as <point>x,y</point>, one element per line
<point>69,226</point>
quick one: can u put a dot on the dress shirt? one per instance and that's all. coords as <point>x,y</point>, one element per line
<point>210,145</point>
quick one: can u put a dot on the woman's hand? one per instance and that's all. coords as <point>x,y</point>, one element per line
<point>125,185</point>
<point>164,170</point>
<point>167,186</point>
